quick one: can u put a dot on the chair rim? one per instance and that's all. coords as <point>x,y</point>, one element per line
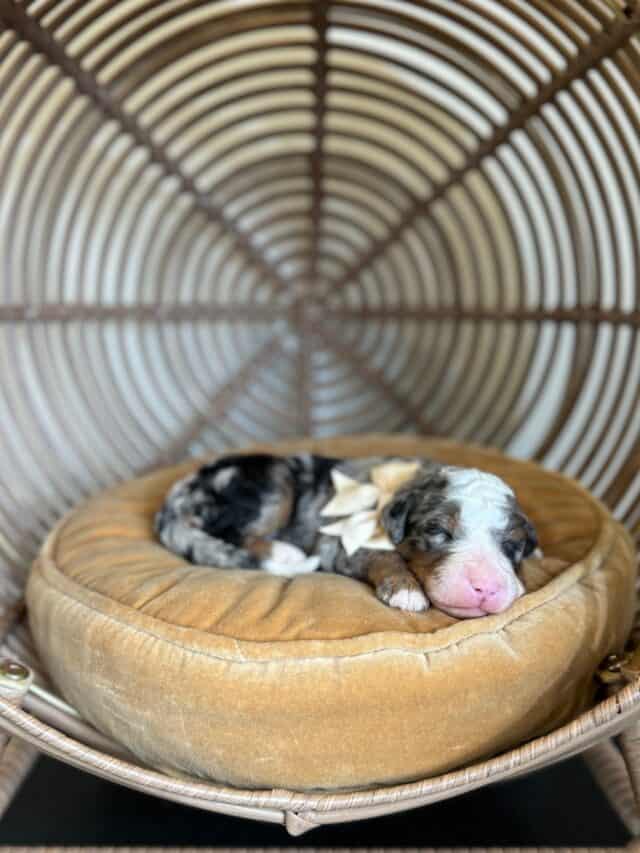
<point>606,719</point>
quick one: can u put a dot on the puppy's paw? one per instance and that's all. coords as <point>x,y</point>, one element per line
<point>285,559</point>
<point>402,595</point>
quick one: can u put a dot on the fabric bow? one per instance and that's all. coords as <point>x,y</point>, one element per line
<point>359,505</point>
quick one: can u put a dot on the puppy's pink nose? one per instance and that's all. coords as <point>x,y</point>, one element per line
<point>485,589</point>
<point>488,592</point>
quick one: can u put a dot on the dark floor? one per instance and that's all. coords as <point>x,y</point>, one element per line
<point>559,805</point>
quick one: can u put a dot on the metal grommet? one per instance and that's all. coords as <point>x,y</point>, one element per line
<point>610,670</point>
<point>13,671</point>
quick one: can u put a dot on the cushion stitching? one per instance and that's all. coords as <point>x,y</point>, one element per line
<point>418,652</point>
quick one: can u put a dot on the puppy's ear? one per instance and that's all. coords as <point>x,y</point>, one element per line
<point>396,514</point>
<point>530,540</point>
<point>523,532</point>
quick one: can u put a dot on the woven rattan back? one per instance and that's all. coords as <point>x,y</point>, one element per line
<point>237,220</point>
<point>249,219</point>
<point>242,220</point>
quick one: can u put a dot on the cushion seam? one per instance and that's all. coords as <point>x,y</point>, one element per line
<point>213,656</point>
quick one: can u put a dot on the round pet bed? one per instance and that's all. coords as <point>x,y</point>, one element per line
<point>311,683</point>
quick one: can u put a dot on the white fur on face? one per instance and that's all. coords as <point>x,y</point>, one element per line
<point>482,498</point>
<point>476,577</point>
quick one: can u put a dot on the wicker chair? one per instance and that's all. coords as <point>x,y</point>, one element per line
<point>247,220</point>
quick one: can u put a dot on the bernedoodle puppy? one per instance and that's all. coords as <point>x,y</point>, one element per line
<point>418,531</point>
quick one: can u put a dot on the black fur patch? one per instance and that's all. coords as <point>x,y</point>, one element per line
<point>227,512</point>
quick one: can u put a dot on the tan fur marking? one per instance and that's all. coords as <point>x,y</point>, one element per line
<point>260,548</point>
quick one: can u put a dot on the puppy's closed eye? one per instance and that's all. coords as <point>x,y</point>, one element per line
<point>437,535</point>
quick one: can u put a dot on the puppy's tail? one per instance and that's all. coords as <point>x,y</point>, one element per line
<point>198,547</point>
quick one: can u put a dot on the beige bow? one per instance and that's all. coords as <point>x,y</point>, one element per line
<point>359,505</point>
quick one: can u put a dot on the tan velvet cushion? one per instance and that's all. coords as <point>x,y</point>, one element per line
<point>262,681</point>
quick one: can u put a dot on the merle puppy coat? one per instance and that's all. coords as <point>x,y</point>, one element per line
<point>459,534</point>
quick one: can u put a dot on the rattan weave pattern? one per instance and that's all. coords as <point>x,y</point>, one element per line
<point>243,220</point>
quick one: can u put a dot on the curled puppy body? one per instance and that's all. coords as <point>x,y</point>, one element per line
<point>459,534</point>
<point>226,513</point>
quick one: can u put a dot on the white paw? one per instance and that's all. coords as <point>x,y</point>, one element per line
<point>287,560</point>
<point>409,598</point>
<point>413,600</point>
<point>289,571</point>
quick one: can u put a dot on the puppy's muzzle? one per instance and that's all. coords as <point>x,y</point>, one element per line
<point>473,582</point>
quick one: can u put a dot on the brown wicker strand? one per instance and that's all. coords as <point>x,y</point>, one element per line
<point>604,45</point>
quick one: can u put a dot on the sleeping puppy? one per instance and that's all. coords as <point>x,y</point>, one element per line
<point>459,535</point>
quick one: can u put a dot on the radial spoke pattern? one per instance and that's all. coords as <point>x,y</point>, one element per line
<point>234,221</point>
